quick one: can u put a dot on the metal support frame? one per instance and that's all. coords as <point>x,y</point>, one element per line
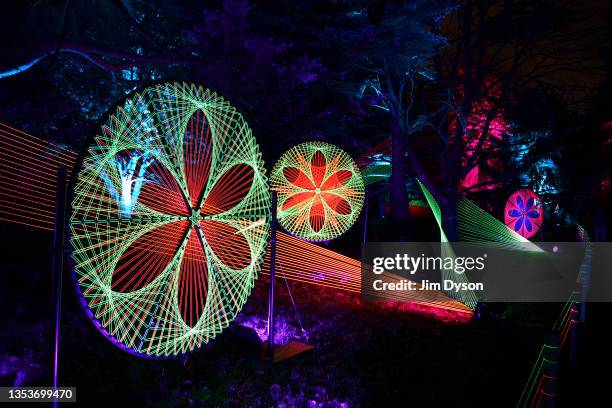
<point>272,273</point>
<point>57,267</point>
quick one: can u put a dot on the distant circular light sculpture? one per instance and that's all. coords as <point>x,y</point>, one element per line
<point>170,220</point>
<point>320,191</point>
<point>524,213</point>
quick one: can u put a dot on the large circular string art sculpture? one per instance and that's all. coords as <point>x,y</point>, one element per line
<point>320,191</point>
<point>524,212</point>
<point>170,220</point>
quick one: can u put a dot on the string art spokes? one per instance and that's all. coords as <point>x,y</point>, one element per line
<point>169,221</point>
<point>320,191</point>
<point>524,213</point>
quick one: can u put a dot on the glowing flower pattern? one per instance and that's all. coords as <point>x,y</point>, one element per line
<point>173,271</point>
<point>524,213</point>
<point>320,191</point>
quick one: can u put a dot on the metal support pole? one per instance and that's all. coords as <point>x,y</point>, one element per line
<point>57,266</point>
<point>272,272</point>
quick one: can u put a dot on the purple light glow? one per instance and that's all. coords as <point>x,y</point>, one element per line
<point>284,332</point>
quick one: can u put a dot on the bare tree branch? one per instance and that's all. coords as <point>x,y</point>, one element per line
<point>96,56</point>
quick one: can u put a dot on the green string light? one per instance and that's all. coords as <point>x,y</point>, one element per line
<point>467,297</point>
<point>170,220</point>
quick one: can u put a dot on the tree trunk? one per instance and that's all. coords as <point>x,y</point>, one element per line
<point>449,217</point>
<point>399,194</point>
<point>451,174</point>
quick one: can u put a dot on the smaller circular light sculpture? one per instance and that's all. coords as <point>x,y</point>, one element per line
<point>320,191</point>
<point>524,212</point>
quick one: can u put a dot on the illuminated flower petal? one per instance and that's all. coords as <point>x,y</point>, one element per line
<point>337,180</point>
<point>227,243</point>
<point>520,203</point>
<point>514,213</point>
<point>198,155</point>
<point>297,199</point>
<point>337,203</point>
<point>160,191</point>
<point>298,178</point>
<point>533,214</point>
<point>519,223</point>
<point>528,224</point>
<point>318,167</point>
<point>529,204</point>
<point>192,285</point>
<point>147,257</point>
<point>230,190</point>
<point>317,214</point>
